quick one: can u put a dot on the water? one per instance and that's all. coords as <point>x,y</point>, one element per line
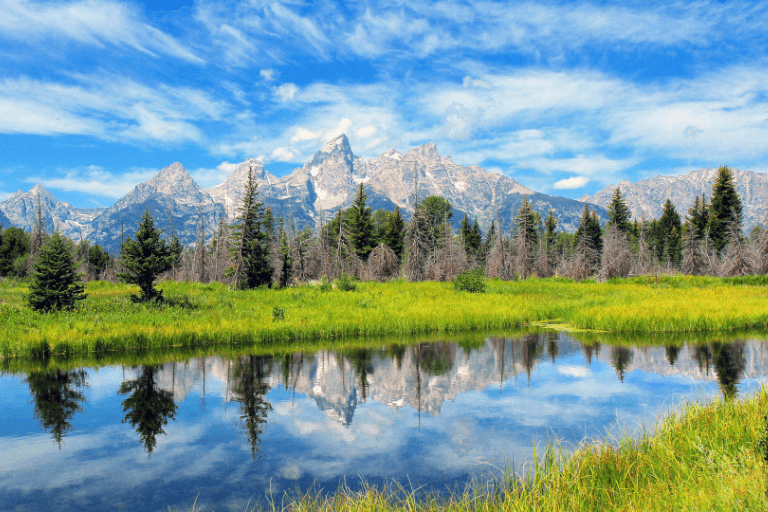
<point>434,415</point>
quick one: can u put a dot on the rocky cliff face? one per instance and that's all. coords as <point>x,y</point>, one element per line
<point>646,198</point>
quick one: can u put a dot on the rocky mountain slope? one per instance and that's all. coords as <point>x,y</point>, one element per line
<point>310,195</point>
<point>646,198</point>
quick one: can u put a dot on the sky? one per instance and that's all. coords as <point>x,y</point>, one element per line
<point>96,96</point>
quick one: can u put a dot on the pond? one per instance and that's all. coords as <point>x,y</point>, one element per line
<point>228,431</point>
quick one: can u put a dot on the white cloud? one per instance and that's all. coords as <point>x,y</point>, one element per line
<point>287,91</point>
<point>284,154</point>
<point>303,134</point>
<point>573,183</point>
<point>208,178</point>
<point>95,180</point>
<point>89,22</point>
<point>268,75</point>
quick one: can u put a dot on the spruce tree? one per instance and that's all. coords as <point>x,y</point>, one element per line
<point>361,225</point>
<point>250,248</point>
<point>145,258</point>
<point>286,263</point>
<point>55,282</point>
<point>394,233</point>
<point>698,218</point>
<point>671,235</point>
<point>724,210</point>
<point>618,212</point>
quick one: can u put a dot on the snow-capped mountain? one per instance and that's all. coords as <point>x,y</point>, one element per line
<point>646,198</point>
<point>307,196</point>
<point>172,191</point>
<point>21,210</point>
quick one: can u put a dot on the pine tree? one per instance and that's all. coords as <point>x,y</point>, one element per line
<point>55,282</point>
<point>250,248</point>
<point>394,233</point>
<point>725,210</point>
<point>670,230</point>
<point>286,264</point>
<point>618,212</point>
<point>361,225</point>
<point>698,218</point>
<point>526,238</point>
<point>146,258</point>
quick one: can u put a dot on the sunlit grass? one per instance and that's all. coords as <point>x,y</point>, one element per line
<point>197,314</point>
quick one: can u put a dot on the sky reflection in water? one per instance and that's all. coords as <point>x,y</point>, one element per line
<point>434,415</point>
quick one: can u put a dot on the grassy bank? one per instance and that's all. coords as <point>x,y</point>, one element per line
<point>709,457</point>
<point>197,315</point>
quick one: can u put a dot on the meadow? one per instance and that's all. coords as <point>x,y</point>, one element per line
<point>197,315</point>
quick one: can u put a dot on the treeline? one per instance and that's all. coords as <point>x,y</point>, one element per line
<point>259,250</point>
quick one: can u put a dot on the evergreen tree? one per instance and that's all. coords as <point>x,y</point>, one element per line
<point>589,237</point>
<point>394,233</point>
<point>145,258</point>
<point>251,267</point>
<point>471,235</point>
<point>670,229</point>
<point>286,264</point>
<point>55,282</point>
<point>698,218</point>
<point>15,246</point>
<point>724,210</point>
<point>361,225</point>
<point>618,212</point>
<point>526,237</point>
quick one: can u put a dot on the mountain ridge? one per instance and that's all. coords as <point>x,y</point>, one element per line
<point>308,196</point>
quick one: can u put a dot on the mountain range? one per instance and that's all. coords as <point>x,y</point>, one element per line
<point>310,195</point>
<point>646,198</point>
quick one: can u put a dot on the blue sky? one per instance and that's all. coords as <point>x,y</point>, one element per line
<point>565,97</point>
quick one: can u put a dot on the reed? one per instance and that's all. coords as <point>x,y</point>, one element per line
<point>196,315</point>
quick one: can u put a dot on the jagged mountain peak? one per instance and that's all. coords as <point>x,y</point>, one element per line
<point>341,143</point>
<point>426,151</point>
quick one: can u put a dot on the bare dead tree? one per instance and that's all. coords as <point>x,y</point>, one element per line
<point>382,264</point>
<point>760,252</point>
<point>693,257</point>
<point>617,255</point>
<point>582,264</point>
<point>736,260</point>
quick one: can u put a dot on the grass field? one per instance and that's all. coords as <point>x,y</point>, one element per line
<point>196,315</point>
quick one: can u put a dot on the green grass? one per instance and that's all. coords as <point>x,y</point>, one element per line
<point>707,457</point>
<point>198,315</point>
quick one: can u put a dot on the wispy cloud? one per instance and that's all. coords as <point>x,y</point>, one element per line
<point>88,22</point>
<point>95,180</point>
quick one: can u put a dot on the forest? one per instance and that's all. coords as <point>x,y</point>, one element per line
<point>361,244</point>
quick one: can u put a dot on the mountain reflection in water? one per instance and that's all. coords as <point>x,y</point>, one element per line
<point>431,414</point>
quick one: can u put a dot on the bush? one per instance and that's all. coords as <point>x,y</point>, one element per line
<point>346,283</point>
<point>325,286</point>
<point>471,281</point>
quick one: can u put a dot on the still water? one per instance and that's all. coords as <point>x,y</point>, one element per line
<point>433,415</point>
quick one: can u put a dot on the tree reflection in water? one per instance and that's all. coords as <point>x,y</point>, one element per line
<point>148,407</point>
<point>621,357</point>
<point>249,387</point>
<point>56,399</point>
<point>729,363</point>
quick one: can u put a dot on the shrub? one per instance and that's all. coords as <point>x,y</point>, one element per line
<point>471,281</point>
<point>346,283</point>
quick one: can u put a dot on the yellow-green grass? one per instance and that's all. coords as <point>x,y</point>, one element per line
<point>707,457</point>
<point>197,314</point>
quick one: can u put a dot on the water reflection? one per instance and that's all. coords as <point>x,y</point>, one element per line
<point>248,387</point>
<point>56,399</point>
<point>148,407</point>
<point>433,414</point>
